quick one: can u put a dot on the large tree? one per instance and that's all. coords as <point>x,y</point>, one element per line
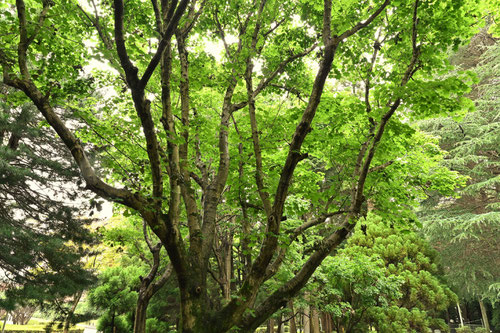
<point>42,234</point>
<point>465,230</point>
<point>197,141</point>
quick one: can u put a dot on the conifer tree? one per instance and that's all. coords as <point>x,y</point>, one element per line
<point>41,236</point>
<point>385,277</point>
<point>465,230</point>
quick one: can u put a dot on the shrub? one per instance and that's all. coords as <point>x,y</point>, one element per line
<point>481,330</point>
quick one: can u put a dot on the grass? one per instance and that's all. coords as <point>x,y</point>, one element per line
<point>36,325</point>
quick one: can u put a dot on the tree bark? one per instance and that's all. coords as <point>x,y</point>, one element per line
<point>140,315</point>
<point>326,322</point>
<point>484,314</point>
<point>293,324</point>
<point>315,328</point>
<point>67,322</point>
<point>307,320</point>
<point>270,325</point>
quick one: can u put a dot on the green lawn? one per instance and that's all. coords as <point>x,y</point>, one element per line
<point>36,325</point>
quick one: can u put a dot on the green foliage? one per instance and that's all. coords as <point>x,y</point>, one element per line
<point>385,278</point>
<point>465,229</point>
<point>116,296</point>
<point>383,76</point>
<point>353,285</point>
<point>481,330</point>
<point>43,239</point>
<point>464,329</point>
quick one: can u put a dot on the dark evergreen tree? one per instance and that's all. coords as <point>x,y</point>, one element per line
<point>465,230</point>
<point>42,238</point>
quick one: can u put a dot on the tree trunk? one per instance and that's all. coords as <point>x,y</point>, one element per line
<point>307,320</point>
<point>314,321</point>
<point>5,321</point>
<point>281,327</point>
<point>460,315</point>
<point>270,325</point>
<point>69,317</point>
<point>140,315</point>
<point>293,325</point>
<point>326,322</point>
<point>484,314</point>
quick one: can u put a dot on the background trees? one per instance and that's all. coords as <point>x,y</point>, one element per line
<point>398,289</point>
<point>42,236</point>
<point>464,230</point>
<point>293,129</point>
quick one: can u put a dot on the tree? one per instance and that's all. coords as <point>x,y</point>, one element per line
<point>464,230</point>
<point>195,148</point>
<point>143,257</point>
<point>386,278</point>
<point>116,297</point>
<point>42,238</point>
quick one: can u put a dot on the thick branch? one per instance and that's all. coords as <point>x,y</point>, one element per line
<point>94,183</point>
<point>128,67</point>
<point>22,47</point>
<point>259,174</point>
<point>187,191</point>
<point>167,34</point>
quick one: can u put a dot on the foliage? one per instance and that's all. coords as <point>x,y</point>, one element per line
<point>385,277</point>
<point>481,330</point>
<point>353,287</point>
<point>116,297</point>
<point>42,236</point>
<point>464,329</point>
<point>465,230</point>
<point>233,157</point>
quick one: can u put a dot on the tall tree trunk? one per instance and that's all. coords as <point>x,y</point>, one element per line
<point>140,315</point>
<point>292,323</point>
<point>5,321</point>
<point>484,314</point>
<point>69,317</point>
<point>314,321</point>
<point>307,320</point>
<point>327,323</point>
<point>270,325</point>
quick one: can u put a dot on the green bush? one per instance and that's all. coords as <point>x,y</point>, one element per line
<point>105,325</point>
<point>464,329</point>
<point>481,330</point>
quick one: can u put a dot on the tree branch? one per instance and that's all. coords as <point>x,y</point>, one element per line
<point>363,24</point>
